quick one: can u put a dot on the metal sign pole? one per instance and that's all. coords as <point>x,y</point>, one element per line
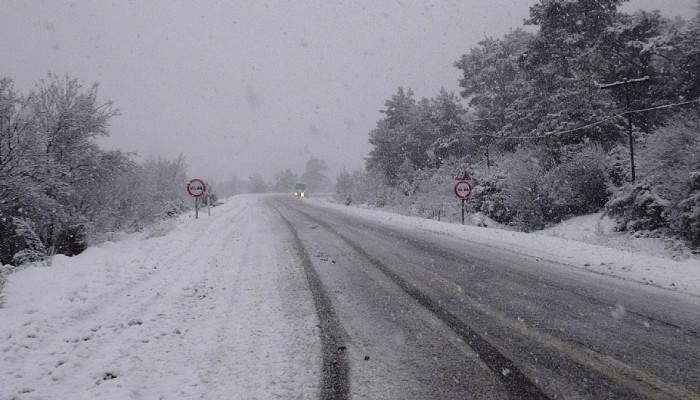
<point>197,188</point>
<point>208,206</point>
<point>463,190</point>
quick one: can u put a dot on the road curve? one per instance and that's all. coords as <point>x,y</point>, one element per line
<point>424,316</point>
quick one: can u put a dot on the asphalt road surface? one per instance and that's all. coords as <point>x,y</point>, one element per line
<point>414,315</point>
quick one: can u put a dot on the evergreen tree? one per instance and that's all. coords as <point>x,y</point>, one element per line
<point>284,181</point>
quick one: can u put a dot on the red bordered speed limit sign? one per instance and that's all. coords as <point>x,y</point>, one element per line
<point>196,188</point>
<point>463,189</point>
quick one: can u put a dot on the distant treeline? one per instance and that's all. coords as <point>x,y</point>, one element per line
<point>314,176</point>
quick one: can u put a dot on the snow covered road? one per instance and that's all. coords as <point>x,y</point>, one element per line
<point>215,309</point>
<point>457,315</point>
<point>272,297</point>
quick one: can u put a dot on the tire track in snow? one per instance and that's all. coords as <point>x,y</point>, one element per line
<point>614,369</point>
<point>110,332</point>
<point>515,381</point>
<point>335,382</point>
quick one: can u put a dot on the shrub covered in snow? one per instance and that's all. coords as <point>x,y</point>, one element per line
<point>19,242</point>
<point>639,207</point>
<point>366,187</point>
<point>668,196</point>
<point>57,186</point>
<point>540,189</point>
<point>489,197</point>
<point>688,222</point>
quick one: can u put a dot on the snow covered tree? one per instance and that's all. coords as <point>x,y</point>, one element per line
<point>284,181</point>
<point>416,135</point>
<point>57,187</point>
<point>258,184</point>
<point>668,196</point>
<point>161,191</point>
<point>448,116</point>
<point>567,29</point>
<point>388,139</point>
<point>314,176</point>
<point>493,81</point>
<point>678,54</point>
<point>344,187</point>
<point>560,64</point>
<point>233,185</point>
<point>633,48</point>
<point>68,120</point>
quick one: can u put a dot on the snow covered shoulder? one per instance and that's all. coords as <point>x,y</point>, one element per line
<point>682,276</point>
<point>211,309</point>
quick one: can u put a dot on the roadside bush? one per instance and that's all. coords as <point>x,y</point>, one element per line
<point>578,182</point>
<point>489,198</point>
<point>688,222</point>
<point>526,191</point>
<point>668,196</point>
<point>344,186</point>
<point>539,190</point>
<point>430,193</point>
<point>369,188</point>
<point>639,207</point>
<point>71,240</point>
<point>19,242</point>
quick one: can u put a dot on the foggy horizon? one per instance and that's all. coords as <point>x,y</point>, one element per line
<point>253,87</point>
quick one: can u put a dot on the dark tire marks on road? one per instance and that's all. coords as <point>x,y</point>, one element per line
<point>518,385</point>
<point>335,380</point>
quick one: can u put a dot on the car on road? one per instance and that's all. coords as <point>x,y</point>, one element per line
<point>300,190</point>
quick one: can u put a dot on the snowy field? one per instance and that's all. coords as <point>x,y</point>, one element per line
<point>570,244</point>
<point>207,308</point>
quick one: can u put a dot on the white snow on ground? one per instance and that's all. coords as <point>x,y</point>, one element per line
<point>682,276</point>
<point>212,309</point>
<point>599,229</point>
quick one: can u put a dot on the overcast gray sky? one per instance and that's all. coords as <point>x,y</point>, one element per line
<point>253,85</point>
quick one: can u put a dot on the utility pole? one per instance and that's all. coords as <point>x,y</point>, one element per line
<point>625,84</point>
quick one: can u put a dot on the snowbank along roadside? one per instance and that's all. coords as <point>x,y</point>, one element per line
<point>682,276</point>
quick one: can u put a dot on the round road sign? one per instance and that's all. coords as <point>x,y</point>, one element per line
<point>196,188</point>
<point>463,189</point>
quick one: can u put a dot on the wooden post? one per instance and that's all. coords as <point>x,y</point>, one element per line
<point>628,113</point>
<point>629,132</point>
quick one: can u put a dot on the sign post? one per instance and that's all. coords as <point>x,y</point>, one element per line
<point>463,190</point>
<point>196,188</point>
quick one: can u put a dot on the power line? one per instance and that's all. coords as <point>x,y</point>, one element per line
<point>620,83</point>
<point>661,107</point>
<point>590,125</point>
